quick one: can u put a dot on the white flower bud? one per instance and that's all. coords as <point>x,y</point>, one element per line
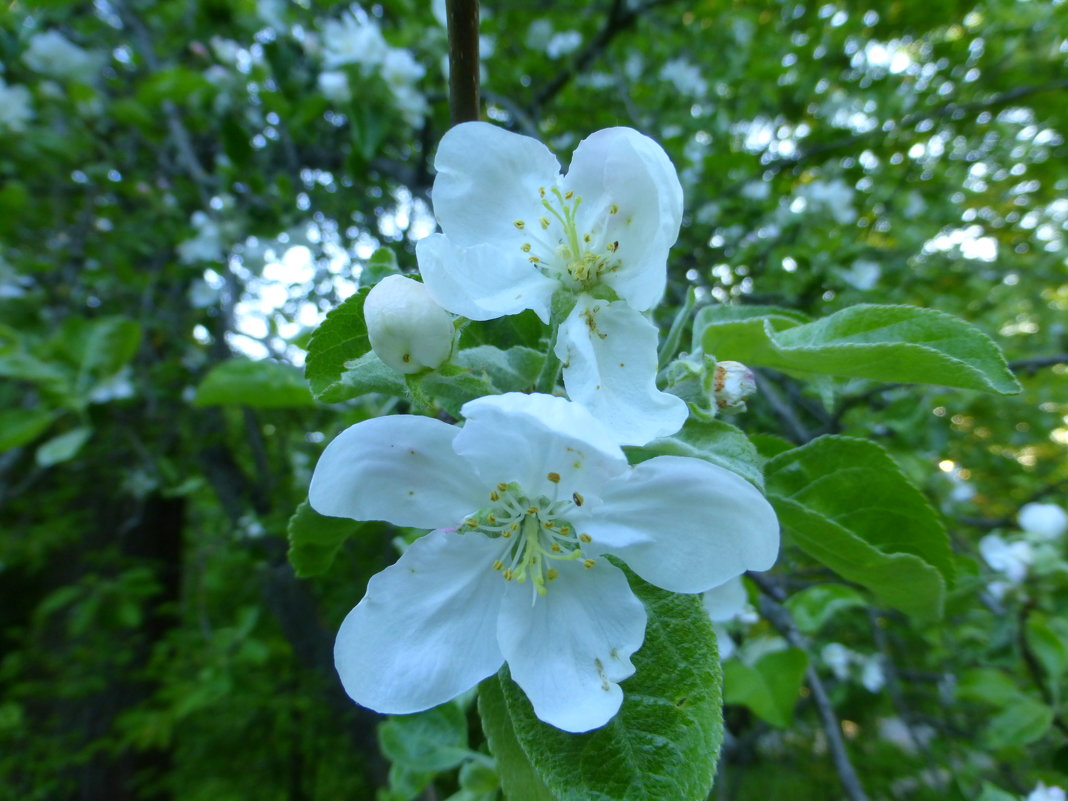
<point>1046,521</point>
<point>732,384</point>
<point>407,329</point>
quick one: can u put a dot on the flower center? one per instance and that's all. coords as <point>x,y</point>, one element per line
<point>555,245</point>
<point>534,533</point>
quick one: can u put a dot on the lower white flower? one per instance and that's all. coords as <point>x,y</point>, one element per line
<point>526,500</point>
<point>1013,559</point>
<point>1046,521</point>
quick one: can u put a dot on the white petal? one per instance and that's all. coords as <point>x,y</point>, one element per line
<point>401,469</point>
<point>426,630</point>
<point>621,166</point>
<point>482,282</point>
<point>684,524</point>
<point>609,356</point>
<point>523,438</point>
<point>570,648</point>
<point>724,642</point>
<point>487,179</point>
<point>722,603</point>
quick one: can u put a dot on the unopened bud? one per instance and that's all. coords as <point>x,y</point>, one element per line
<point>732,384</point>
<point>407,329</point>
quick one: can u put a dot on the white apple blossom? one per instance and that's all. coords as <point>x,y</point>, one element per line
<point>1013,559</point>
<point>16,109</point>
<point>407,329</point>
<point>354,38</point>
<point>525,501</point>
<point>563,44</point>
<point>685,76</point>
<point>334,84</point>
<point>726,603</point>
<point>1043,792</point>
<point>1045,521</point>
<point>51,53</point>
<point>516,232</point>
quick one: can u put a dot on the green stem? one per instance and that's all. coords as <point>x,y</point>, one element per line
<point>678,325</point>
<point>462,16</point>
<point>420,400</point>
<point>550,370</point>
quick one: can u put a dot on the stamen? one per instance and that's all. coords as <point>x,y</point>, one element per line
<point>519,224</point>
<point>585,538</point>
<point>552,573</point>
<point>553,477</point>
<point>588,563</point>
<point>577,498</point>
<point>613,209</point>
<point>544,222</point>
<point>495,496</point>
<point>525,247</point>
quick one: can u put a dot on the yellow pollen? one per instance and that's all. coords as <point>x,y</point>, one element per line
<point>498,565</point>
<point>554,477</point>
<point>519,224</point>
<point>576,498</point>
<point>506,533</point>
<point>568,195</point>
<point>548,524</point>
<point>613,209</point>
<point>525,247</point>
<point>471,522</point>
<point>556,548</point>
<point>544,222</point>
<point>533,259</point>
<point>507,574</point>
<point>532,510</point>
<point>588,563</point>
<point>541,191</point>
<point>495,496</point>
<point>585,538</point>
<point>502,487</point>
<point>565,530</point>
<point>513,527</point>
<point>552,573</point>
<point>586,238</point>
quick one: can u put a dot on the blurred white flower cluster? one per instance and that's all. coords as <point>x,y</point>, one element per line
<point>356,39</point>
<point>16,109</point>
<point>51,53</point>
<point>848,665</point>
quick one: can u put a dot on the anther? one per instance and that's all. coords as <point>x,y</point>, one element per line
<point>613,247</point>
<point>568,195</point>
<point>471,522</point>
<point>554,477</point>
<point>495,496</point>
<point>525,247</point>
<point>555,548</point>
<point>534,260</point>
<point>541,191</point>
<point>576,498</point>
<point>519,224</point>
<point>586,238</point>
<point>498,565</point>
<point>544,222</point>
<point>613,209</point>
<point>585,538</point>
<point>502,487</point>
<point>552,573</point>
<point>565,530</point>
<point>491,520</point>
<point>588,563</point>
<point>507,574</point>
<point>532,510</point>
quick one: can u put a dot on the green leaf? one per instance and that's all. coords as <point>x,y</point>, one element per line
<point>105,346</point>
<point>21,426</point>
<point>262,385</point>
<point>1049,649</point>
<point>429,741</point>
<point>383,262</point>
<point>315,539</point>
<point>770,687</point>
<point>341,338</point>
<point>452,387</point>
<point>846,504</point>
<point>363,375</point>
<point>512,370</point>
<point>813,606</point>
<point>662,745</point>
<point>992,793</point>
<point>882,343</point>
<point>987,686</point>
<point>519,780</point>
<point>715,441</point>
<point>64,447</point>
<point>1021,722</point>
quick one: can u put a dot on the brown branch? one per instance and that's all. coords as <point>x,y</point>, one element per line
<point>780,619</point>
<point>462,16</point>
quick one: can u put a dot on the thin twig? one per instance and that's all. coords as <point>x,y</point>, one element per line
<point>780,619</point>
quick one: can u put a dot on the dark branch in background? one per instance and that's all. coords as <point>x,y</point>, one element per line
<point>783,410</point>
<point>1036,362</point>
<point>619,19</point>
<point>780,619</point>
<point>462,16</point>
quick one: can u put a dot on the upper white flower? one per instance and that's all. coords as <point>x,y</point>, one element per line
<point>525,499</point>
<point>516,232</point>
<point>1042,792</point>
<point>1046,521</point>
